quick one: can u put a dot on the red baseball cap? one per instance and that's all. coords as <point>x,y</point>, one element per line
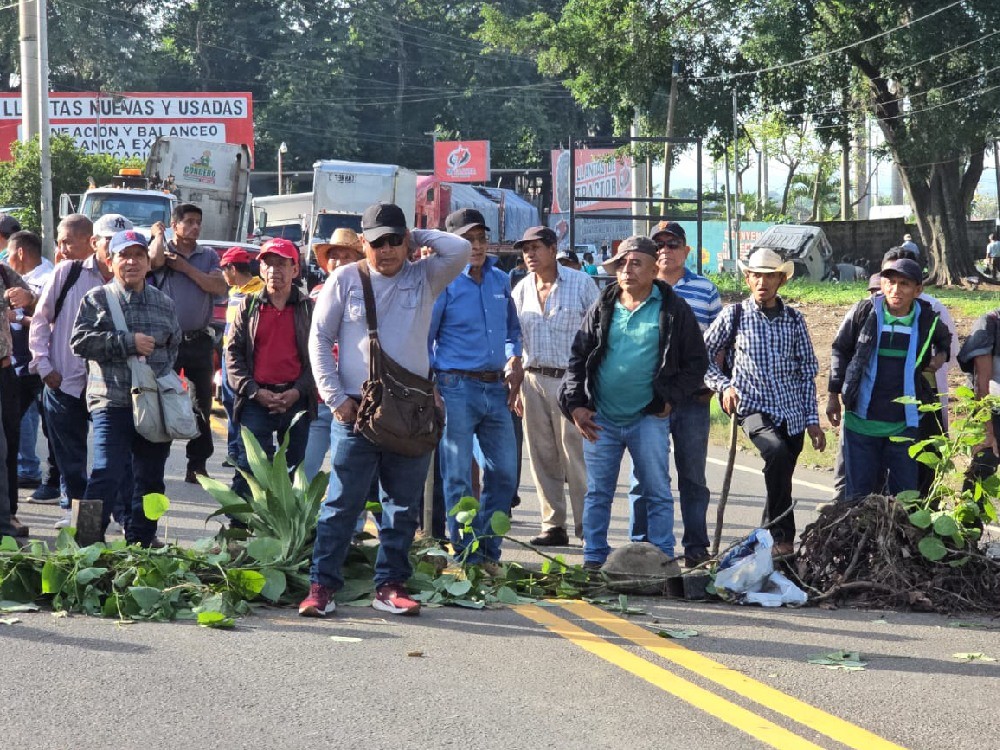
<point>234,255</point>
<point>280,247</point>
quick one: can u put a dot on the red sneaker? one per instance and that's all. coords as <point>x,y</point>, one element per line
<point>393,598</point>
<point>319,603</point>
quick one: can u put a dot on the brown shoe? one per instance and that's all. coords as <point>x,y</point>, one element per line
<point>192,475</point>
<point>20,530</point>
<point>781,550</point>
<point>554,537</point>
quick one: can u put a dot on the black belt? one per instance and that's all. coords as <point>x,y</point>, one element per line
<point>191,335</point>
<point>277,387</point>
<point>485,376</point>
<point>550,372</point>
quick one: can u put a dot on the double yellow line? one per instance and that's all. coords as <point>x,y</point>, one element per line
<point>725,710</point>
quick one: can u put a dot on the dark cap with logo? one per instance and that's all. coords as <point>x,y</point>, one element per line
<point>464,220</point>
<point>546,235</point>
<point>381,219</point>
<point>670,227</point>
<point>634,244</point>
<point>904,267</point>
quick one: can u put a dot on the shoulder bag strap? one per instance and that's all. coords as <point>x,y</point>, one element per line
<point>71,278</point>
<point>371,319</point>
<point>115,308</point>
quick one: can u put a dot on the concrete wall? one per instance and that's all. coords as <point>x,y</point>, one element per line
<point>852,240</point>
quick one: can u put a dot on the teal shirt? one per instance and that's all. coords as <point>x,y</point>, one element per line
<point>625,375</point>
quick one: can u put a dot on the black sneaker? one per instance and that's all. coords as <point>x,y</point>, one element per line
<point>694,558</point>
<point>28,483</point>
<point>45,494</point>
<point>554,537</point>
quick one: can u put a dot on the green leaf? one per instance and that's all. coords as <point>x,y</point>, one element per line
<point>908,496</point>
<point>465,504</point>
<point>973,656</point>
<point>145,596</point>
<point>507,595</point>
<point>213,619</point>
<point>373,507</point>
<point>963,393</point>
<point>929,459</point>
<point>932,548</point>
<point>247,583</point>
<point>945,526</point>
<point>154,505</point>
<point>66,540</point>
<point>465,517</point>
<point>264,549</point>
<point>459,588</point>
<point>678,634</point>
<point>275,584</point>
<point>86,575</point>
<point>9,544</point>
<point>53,577</point>
<point>6,606</point>
<point>921,518</point>
<point>500,523</point>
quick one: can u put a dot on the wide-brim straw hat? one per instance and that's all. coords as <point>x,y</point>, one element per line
<point>765,260</point>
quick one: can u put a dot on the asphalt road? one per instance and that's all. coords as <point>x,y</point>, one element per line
<point>564,676</point>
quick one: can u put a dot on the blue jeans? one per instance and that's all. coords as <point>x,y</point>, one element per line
<point>318,445</point>
<point>267,427</point>
<point>478,411</point>
<point>233,444</point>
<point>28,465</point>
<point>689,426</point>
<point>356,462</point>
<point>120,451</point>
<point>647,440</point>
<point>67,420</point>
<point>872,462</point>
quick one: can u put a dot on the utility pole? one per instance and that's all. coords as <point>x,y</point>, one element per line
<point>638,177</point>
<point>845,180</point>
<point>28,23</point>
<point>45,209</point>
<point>668,146</point>
<point>736,174</point>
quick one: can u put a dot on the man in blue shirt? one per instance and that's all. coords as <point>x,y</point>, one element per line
<point>475,343</point>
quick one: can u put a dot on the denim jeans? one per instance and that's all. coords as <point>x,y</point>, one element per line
<point>228,403</point>
<point>318,445</point>
<point>689,426</point>
<point>477,411</point>
<point>118,452</point>
<point>68,422</point>
<point>647,440</point>
<point>356,462</point>
<point>28,465</point>
<point>270,429</point>
<point>870,460</point>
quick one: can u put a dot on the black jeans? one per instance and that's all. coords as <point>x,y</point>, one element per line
<point>195,357</point>
<point>29,392</point>
<point>780,452</point>
<point>11,429</point>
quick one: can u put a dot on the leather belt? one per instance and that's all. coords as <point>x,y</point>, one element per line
<point>485,376</point>
<point>192,335</point>
<point>549,372</point>
<point>277,387</point>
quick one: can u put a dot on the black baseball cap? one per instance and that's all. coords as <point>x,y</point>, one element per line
<point>464,219</point>
<point>546,235</point>
<point>670,227</point>
<point>381,219</point>
<point>9,225</point>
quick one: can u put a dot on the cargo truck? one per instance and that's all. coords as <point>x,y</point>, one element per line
<point>342,190</point>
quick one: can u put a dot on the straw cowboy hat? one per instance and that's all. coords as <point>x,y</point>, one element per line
<point>765,260</point>
<point>342,237</point>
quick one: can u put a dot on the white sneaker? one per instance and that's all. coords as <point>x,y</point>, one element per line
<point>116,528</point>
<point>65,522</point>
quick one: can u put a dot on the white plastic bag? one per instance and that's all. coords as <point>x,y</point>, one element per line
<point>779,590</point>
<point>746,566</point>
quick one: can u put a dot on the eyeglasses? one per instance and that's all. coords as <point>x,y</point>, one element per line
<point>669,244</point>
<point>394,240</point>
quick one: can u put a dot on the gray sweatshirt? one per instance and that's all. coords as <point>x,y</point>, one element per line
<point>403,304</point>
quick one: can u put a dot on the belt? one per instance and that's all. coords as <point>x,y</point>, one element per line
<point>485,376</point>
<point>191,335</point>
<point>549,372</point>
<point>277,387</point>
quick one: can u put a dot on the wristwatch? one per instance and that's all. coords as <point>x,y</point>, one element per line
<point>19,316</point>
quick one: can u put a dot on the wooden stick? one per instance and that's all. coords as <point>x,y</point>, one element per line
<point>727,480</point>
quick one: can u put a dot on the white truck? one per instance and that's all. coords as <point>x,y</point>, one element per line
<point>342,190</point>
<point>214,176</point>
<point>287,216</point>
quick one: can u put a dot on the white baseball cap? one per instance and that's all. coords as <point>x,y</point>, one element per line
<point>111,224</point>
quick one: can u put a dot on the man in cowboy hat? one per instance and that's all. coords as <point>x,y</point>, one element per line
<point>771,385</point>
<point>344,247</point>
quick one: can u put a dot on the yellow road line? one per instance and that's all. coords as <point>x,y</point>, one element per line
<point>736,716</point>
<point>219,427</point>
<point>833,727</point>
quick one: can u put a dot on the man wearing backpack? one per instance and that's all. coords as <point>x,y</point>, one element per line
<point>65,374</point>
<point>772,383</point>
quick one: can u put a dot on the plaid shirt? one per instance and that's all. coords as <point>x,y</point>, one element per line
<point>774,367</point>
<point>106,349</point>
<point>548,333</point>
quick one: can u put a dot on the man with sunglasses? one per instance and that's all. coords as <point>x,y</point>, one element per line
<point>404,293</point>
<point>689,423</point>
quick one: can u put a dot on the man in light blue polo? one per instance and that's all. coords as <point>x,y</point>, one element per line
<point>638,354</point>
<point>690,419</point>
<point>475,347</point>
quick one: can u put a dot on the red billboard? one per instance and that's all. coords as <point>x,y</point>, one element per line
<point>462,161</point>
<point>127,124</point>
<point>599,173</point>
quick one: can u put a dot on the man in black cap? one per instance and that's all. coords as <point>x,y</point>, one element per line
<point>889,346</point>
<point>475,342</point>
<point>404,294</point>
<point>638,354</point>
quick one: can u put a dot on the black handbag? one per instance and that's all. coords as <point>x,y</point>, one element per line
<point>398,411</point>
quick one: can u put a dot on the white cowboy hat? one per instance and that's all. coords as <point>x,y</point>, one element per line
<point>765,260</point>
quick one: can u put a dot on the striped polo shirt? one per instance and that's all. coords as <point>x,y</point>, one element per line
<point>701,295</point>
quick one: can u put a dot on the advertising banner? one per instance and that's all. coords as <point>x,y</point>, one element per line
<point>598,173</point>
<point>462,161</point>
<point>127,124</point>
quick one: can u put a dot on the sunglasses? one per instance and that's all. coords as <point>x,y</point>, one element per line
<point>669,244</point>
<point>394,240</point>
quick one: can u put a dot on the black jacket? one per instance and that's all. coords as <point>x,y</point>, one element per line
<point>856,339</point>
<point>683,360</point>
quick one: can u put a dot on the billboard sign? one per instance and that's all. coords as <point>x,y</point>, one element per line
<point>599,173</point>
<point>127,124</point>
<point>462,161</point>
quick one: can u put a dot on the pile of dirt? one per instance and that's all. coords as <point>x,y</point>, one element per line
<point>865,554</point>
